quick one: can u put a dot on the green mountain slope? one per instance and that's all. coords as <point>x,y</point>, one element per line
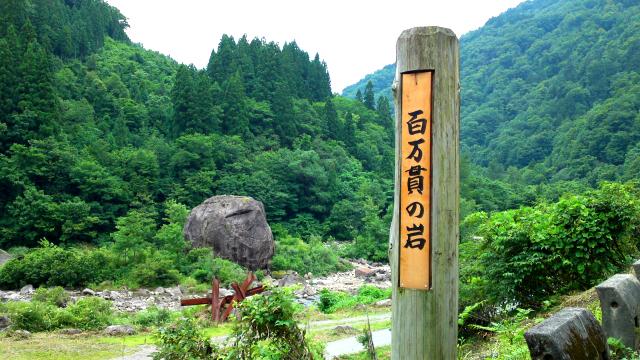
<point>104,135</point>
<point>551,88</point>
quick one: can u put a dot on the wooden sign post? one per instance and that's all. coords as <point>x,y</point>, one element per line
<point>424,231</point>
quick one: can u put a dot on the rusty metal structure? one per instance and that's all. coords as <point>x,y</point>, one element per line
<point>221,307</point>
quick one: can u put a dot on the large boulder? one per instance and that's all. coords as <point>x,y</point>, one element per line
<point>235,227</point>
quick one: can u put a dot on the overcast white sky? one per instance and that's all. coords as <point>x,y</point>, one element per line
<point>354,37</point>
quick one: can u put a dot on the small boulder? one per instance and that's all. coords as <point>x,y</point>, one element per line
<point>88,292</point>
<point>309,290</point>
<point>291,278</point>
<point>20,334</point>
<point>119,330</point>
<point>383,303</point>
<point>26,290</point>
<point>174,291</point>
<point>159,291</point>
<point>4,322</point>
<point>70,331</point>
<point>344,330</point>
<point>364,272</point>
<point>142,293</point>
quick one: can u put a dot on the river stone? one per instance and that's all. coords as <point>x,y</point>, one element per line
<point>570,334</point>
<point>620,303</point>
<point>4,257</point>
<point>26,290</point>
<point>119,330</point>
<point>235,227</point>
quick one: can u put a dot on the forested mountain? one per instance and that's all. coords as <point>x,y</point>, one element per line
<point>550,94</point>
<point>96,131</point>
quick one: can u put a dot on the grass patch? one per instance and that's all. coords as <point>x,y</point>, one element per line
<point>46,346</point>
<point>383,352</point>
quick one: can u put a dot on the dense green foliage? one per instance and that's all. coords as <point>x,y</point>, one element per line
<point>97,141</point>
<point>331,301</point>
<point>533,253</point>
<point>268,329</point>
<point>307,257</point>
<point>549,101</point>
<point>91,313</point>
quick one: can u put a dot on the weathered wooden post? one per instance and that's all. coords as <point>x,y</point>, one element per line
<point>424,232</point>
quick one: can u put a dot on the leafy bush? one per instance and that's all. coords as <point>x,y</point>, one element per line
<point>182,341</point>
<point>153,316</point>
<point>33,316</point>
<point>52,265</point>
<point>314,257</point>
<point>268,330</point>
<point>331,301</point>
<point>90,313</point>
<point>532,253</point>
<point>203,265</point>
<point>155,271</point>
<point>53,296</point>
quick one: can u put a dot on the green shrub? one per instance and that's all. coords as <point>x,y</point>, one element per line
<point>53,296</point>
<point>204,265</point>
<point>331,301</point>
<point>51,265</point>
<point>153,316</point>
<point>90,313</point>
<point>314,257</point>
<point>268,330</point>
<point>530,254</point>
<point>182,341</point>
<point>33,316</point>
<point>155,271</point>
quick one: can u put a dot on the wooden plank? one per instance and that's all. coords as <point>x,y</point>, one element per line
<point>415,181</point>
<point>215,300</point>
<point>196,301</point>
<point>425,322</point>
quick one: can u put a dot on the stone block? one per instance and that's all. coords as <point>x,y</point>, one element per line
<point>620,303</point>
<point>570,334</point>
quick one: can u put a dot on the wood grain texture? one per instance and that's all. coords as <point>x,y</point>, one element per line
<point>424,323</point>
<point>415,222</point>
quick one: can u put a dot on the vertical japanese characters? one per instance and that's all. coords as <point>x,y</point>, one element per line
<point>415,176</point>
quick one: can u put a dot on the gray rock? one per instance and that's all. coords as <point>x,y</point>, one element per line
<point>235,227</point>
<point>4,322</point>
<point>88,292</point>
<point>26,290</point>
<point>142,292</point>
<point>636,269</point>
<point>364,272</point>
<point>159,291</point>
<point>119,330</point>
<point>344,330</point>
<point>174,291</point>
<point>383,303</point>
<point>70,331</point>
<point>21,334</point>
<point>291,278</point>
<point>309,290</point>
<point>570,334</point>
<point>620,303</point>
<point>4,257</point>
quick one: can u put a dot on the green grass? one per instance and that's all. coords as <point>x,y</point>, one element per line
<point>47,346</point>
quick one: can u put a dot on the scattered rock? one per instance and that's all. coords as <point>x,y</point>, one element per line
<point>383,303</point>
<point>308,276</point>
<point>4,322</point>
<point>70,331</point>
<point>291,278</point>
<point>159,291</point>
<point>344,330</point>
<point>364,272</point>
<point>119,330</point>
<point>174,291</point>
<point>26,290</point>
<point>309,290</point>
<point>88,292</point>
<point>142,292</point>
<point>20,334</point>
<point>4,257</point>
<point>235,227</point>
